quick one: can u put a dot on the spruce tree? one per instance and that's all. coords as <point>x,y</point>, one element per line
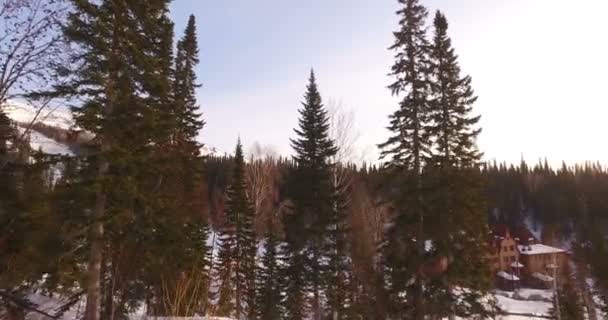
<point>121,70</point>
<point>454,127</point>
<point>238,247</point>
<point>312,195</point>
<point>186,108</point>
<point>407,150</point>
<point>457,219</point>
<point>180,168</point>
<point>268,278</point>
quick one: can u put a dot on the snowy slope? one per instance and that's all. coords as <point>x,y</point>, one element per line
<point>212,152</point>
<point>40,142</point>
<point>24,113</point>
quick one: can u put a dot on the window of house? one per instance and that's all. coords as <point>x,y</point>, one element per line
<point>512,248</point>
<point>505,259</point>
<point>513,259</point>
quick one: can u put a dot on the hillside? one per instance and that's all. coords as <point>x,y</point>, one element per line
<point>54,132</point>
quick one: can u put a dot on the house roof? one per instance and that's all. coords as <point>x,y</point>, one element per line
<point>499,230</point>
<point>524,235</point>
<point>542,277</point>
<point>507,276</point>
<point>521,235</point>
<point>534,249</point>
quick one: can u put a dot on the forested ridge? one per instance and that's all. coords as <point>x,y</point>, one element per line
<point>137,218</point>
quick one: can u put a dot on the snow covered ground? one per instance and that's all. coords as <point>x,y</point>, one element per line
<point>596,298</point>
<point>524,307</point>
<point>522,304</point>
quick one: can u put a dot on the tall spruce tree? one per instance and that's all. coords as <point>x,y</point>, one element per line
<point>311,191</point>
<point>186,108</point>
<point>178,181</point>
<point>186,130</point>
<point>457,220</point>
<point>121,71</point>
<point>407,150</point>
<point>238,248</point>
<point>454,127</point>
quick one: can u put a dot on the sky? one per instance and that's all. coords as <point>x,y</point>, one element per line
<point>539,68</point>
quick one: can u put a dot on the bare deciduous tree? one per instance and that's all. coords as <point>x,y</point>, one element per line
<point>343,131</point>
<point>260,180</point>
<point>30,43</point>
<point>345,135</point>
<point>30,47</point>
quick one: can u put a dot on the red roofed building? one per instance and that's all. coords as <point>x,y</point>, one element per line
<point>503,249</point>
<point>521,255</point>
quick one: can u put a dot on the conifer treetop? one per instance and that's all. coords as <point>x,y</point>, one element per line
<point>313,145</point>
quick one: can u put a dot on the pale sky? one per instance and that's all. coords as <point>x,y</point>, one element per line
<point>539,68</point>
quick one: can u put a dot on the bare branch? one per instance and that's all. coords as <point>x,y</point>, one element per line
<point>343,132</point>
<point>30,43</point>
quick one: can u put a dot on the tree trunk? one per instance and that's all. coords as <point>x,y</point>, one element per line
<point>92,308</point>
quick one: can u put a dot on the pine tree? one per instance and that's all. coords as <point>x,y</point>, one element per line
<point>408,149</point>
<point>457,219</point>
<point>311,193</point>
<point>268,275</point>
<point>238,247</point>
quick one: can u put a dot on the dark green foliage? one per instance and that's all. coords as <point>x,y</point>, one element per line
<point>226,277</point>
<point>570,302</point>
<point>268,279</point>
<point>237,248</point>
<point>295,303</point>
<point>433,182</point>
<point>454,128</point>
<point>409,144</point>
<point>407,150</point>
<point>148,187</point>
<point>189,122</point>
<point>310,189</point>
<point>456,219</point>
